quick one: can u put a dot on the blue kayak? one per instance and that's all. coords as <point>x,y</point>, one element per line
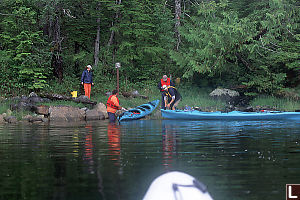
<point>234,115</point>
<point>139,111</point>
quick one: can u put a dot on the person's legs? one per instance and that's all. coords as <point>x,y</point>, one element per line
<point>112,117</point>
<point>175,104</point>
<point>85,85</point>
<point>163,101</point>
<point>87,90</point>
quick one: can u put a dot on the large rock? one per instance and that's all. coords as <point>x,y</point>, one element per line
<point>11,119</point>
<point>35,100</point>
<point>27,118</point>
<point>32,94</point>
<point>83,98</point>
<point>225,94</point>
<point>100,107</point>
<point>42,110</point>
<point>94,115</point>
<point>22,105</point>
<point>66,113</point>
<point>37,119</point>
<point>135,93</point>
<point>27,103</point>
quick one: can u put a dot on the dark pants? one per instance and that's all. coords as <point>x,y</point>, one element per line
<point>112,117</point>
<point>175,103</point>
<point>163,101</point>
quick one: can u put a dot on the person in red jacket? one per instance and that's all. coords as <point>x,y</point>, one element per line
<point>164,82</point>
<point>112,106</point>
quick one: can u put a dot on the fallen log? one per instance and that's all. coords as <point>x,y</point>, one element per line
<point>80,99</point>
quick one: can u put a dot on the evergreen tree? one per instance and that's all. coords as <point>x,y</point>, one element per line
<point>25,55</point>
<point>217,41</point>
<point>140,46</point>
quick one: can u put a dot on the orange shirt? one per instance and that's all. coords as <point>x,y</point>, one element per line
<point>115,100</point>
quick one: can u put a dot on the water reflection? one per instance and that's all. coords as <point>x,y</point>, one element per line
<point>236,160</point>
<point>92,161</point>
<point>114,143</point>
<point>88,148</point>
<point>168,145</point>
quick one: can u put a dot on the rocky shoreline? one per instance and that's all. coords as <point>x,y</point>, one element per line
<point>44,114</point>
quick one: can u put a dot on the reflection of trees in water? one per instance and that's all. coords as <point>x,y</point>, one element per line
<point>169,145</point>
<point>93,167</point>
<point>61,149</point>
<point>58,156</point>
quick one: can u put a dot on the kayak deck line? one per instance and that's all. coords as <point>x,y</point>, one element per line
<point>234,115</point>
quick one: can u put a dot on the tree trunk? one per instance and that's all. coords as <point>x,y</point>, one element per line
<point>97,41</point>
<point>77,51</point>
<point>177,22</point>
<point>112,34</point>
<point>57,63</point>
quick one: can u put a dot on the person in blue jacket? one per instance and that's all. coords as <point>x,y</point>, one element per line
<point>87,81</point>
<point>171,97</point>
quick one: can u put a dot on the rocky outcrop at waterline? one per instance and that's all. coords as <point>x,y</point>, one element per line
<point>233,99</point>
<point>60,113</point>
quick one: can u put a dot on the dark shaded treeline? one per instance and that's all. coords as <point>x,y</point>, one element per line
<point>46,44</point>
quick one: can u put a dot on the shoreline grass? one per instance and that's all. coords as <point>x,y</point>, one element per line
<point>282,104</point>
<point>191,96</point>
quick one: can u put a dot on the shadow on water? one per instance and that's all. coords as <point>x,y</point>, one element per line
<point>235,159</point>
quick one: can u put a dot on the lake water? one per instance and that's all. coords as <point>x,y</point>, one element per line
<point>92,161</point>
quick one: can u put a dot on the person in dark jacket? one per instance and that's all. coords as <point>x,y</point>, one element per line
<point>87,81</point>
<point>171,97</point>
<point>165,81</point>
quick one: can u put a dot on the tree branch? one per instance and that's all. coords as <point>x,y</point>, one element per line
<point>7,14</point>
<point>267,48</point>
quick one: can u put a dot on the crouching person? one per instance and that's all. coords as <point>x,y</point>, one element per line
<point>171,97</point>
<point>112,106</point>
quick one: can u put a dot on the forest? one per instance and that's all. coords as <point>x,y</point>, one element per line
<point>250,44</point>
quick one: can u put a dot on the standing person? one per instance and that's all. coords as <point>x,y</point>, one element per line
<point>112,106</point>
<point>87,81</point>
<point>171,97</point>
<point>165,81</point>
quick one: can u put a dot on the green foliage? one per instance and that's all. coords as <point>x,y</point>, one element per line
<point>278,49</point>
<point>209,37</point>
<point>70,83</point>
<point>142,48</point>
<point>25,49</point>
<point>265,81</point>
<point>223,43</point>
<point>4,106</point>
<point>255,47</point>
<point>194,96</point>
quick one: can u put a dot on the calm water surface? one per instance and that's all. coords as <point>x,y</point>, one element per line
<point>95,161</point>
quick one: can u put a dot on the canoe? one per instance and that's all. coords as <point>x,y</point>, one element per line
<point>177,185</point>
<point>139,111</point>
<point>234,115</point>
